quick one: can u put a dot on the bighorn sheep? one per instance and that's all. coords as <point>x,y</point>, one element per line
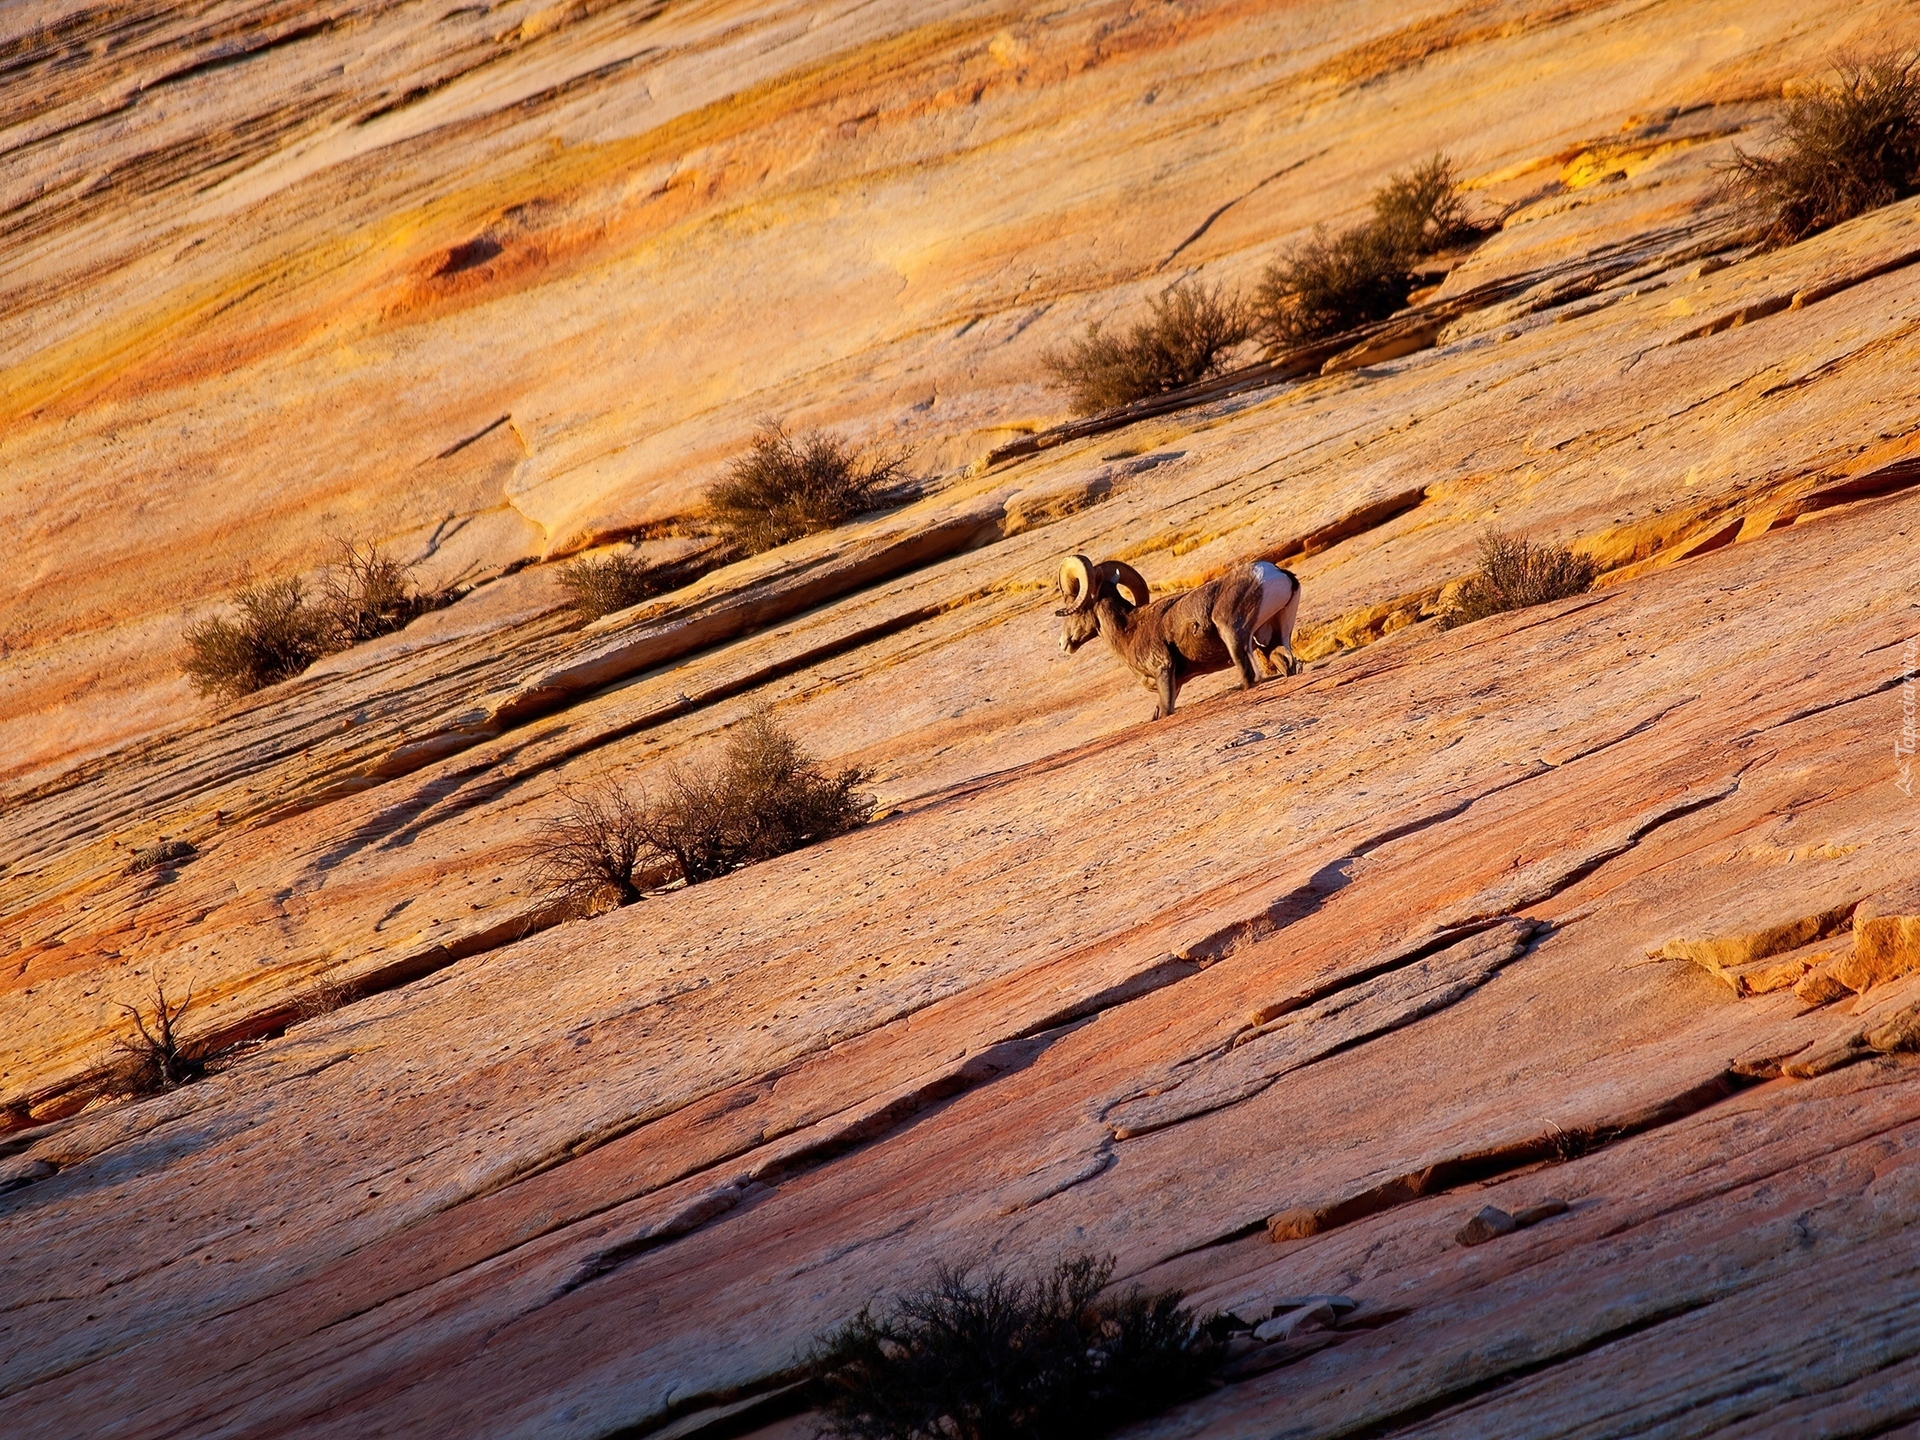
<point>1248,611</point>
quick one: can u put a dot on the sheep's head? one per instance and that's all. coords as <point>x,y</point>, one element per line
<point>1082,582</point>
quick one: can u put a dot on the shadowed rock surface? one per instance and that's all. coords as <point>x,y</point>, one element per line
<point>1609,902</point>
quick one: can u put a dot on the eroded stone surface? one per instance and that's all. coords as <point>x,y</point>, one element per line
<point>1886,939</point>
<point>1369,947</point>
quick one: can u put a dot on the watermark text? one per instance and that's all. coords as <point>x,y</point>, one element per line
<point>1903,742</point>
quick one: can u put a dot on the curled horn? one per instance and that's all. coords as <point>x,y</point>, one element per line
<point>1127,578</point>
<point>1077,583</point>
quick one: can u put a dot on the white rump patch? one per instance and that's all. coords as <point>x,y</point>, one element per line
<point>1276,589</point>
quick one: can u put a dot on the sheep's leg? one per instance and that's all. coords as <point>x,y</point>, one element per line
<point>1237,651</point>
<point>1262,644</point>
<point>1283,628</point>
<point>1169,678</point>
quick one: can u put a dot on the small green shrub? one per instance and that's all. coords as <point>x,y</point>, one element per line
<point>1848,147</point>
<point>995,1358</point>
<point>766,797</point>
<point>1515,573</point>
<point>278,632</point>
<point>152,1059</point>
<point>785,487</point>
<point>276,636</point>
<point>1329,283</point>
<point>1185,338</point>
<point>601,585</point>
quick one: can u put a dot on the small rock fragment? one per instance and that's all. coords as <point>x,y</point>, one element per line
<point>1294,1322</point>
<point>1492,1221</point>
<point>15,1173</point>
<point>1294,1224</point>
<point>1900,1033</point>
<point>1886,1023</point>
<point>1341,1303</point>
<point>1819,987</point>
<point>1544,1210</point>
<point>1251,1315</point>
<point>1886,938</point>
<point>1728,956</point>
<point>1765,1065</point>
<point>1831,1054</point>
<point>1782,972</point>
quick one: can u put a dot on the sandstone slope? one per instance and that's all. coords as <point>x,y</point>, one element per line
<point>1264,999</point>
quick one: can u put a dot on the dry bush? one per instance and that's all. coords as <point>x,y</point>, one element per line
<point>364,594</point>
<point>1846,148</point>
<point>1423,212</point>
<point>1190,330</point>
<point>1329,283</point>
<point>152,1059</point>
<point>593,852</point>
<point>600,586</point>
<point>993,1358</point>
<point>324,998</point>
<point>785,487</point>
<point>1515,573</point>
<point>766,797</point>
<point>276,636</point>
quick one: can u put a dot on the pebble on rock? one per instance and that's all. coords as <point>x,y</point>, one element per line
<point>1284,1327</point>
<point>1491,1222</point>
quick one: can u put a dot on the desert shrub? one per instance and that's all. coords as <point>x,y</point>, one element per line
<point>364,593</point>
<point>277,635</point>
<point>1845,148</point>
<point>1188,332</point>
<point>785,487</point>
<point>1328,283</point>
<point>324,998</point>
<point>152,1059</point>
<point>1515,573</point>
<point>995,1358</point>
<point>766,797</point>
<point>593,852</point>
<point>599,586</point>
<point>1423,212</point>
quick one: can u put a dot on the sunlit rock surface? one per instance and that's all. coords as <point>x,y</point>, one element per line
<point>1266,999</point>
